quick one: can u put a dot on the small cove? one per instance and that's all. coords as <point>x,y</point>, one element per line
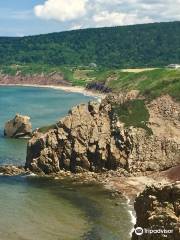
<point>42,208</point>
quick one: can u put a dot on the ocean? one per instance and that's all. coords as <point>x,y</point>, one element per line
<point>37,208</point>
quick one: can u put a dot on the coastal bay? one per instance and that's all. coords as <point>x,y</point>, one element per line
<point>44,106</point>
<point>48,208</point>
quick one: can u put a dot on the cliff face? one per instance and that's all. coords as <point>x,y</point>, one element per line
<point>165,117</point>
<point>152,153</point>
<point>85,139</point>
<point>158,209</point>
<point>92,138</point>
<point>36,79</point>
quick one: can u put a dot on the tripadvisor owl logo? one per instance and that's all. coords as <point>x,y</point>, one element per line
<point>139,231</point>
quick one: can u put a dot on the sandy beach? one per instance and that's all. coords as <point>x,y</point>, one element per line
<point>73,89</point>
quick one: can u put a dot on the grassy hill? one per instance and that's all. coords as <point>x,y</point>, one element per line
<point>150,82</point>
<point>145,45</point>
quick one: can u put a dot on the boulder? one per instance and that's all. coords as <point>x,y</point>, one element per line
<point>11,170</point>
<point>19,127</point>
<point>158,213</point>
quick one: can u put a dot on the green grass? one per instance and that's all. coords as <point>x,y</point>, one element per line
<point>101,74</point>
<point>28,69</point>
<point>133,113</point>
<point>150,83</point>
<point>35,69</point>
<point>45,129</point>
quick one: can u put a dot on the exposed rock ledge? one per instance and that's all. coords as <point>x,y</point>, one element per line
<point>36,79</point>
<point>92,138</point>
<point>10,170</point>
<point>158,208</point>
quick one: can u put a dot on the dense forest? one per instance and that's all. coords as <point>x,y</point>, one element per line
<point>156,44</point>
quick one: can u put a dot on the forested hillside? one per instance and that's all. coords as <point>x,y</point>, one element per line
<point>155,44</point>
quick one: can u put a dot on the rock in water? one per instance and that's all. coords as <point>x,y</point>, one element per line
<point>19,127</point>
<point>11,170</point>
<point>158,213</point>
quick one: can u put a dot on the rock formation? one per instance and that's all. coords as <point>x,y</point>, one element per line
<point>92,138</point>
<point>35,79</point>
<point>158,213</point>
<point>152,153</point>
<point>85,139</point>
<point>19,127</point>
<point>11,170</point>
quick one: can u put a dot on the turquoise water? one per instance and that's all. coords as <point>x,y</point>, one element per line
<point>33,208</point>
<point>44,106</point>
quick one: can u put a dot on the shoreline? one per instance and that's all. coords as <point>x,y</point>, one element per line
<point>71,89</point>
<point>82,178</point>
<point>126,187</point>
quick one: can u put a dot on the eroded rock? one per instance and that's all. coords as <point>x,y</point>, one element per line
<point>11,170</point>
<point>19,127</point>
<point>158,208</point>
<point>85,139</point>
<point>92,138</point>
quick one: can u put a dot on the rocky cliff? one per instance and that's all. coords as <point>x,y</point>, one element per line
<point>85,139</point>
<point>92,138</point>
<point>158,213</point>
<point>35,79</point>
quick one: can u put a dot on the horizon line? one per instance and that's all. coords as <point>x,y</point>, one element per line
<point>89,28</point>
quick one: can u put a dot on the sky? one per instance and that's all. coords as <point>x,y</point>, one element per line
<point>30,17</point>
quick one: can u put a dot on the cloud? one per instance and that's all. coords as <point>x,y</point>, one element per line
<point>115,18</point>
<point>61,10</point>
<point>98,13</point>
<point>75,27</point>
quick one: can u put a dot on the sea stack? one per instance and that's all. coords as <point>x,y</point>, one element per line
<point>19,127</point>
